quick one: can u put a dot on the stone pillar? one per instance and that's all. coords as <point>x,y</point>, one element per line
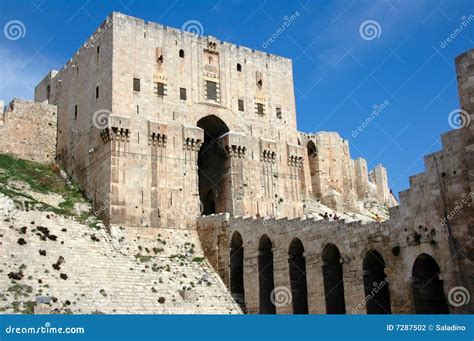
<point>281,275</point>
<point>381,181</point>
<point>361,177</point>
<point>314,276</point>
<point>251,280</point>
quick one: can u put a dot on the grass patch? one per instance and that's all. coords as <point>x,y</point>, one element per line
<point>44,179</point>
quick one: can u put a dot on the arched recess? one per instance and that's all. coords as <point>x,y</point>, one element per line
<point>333,280</point>
<point>314,168</point>
<point>299,285</point>
<point>428,290</point>
<point>376,284</point>
<point>237,269</point>
<point>265,274</point>
<point>214,166</point>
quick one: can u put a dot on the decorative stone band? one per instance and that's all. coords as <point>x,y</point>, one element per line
<point>267,150</point>
<point>295,155</point>
<point>157,133</point>
<point>117,129</point>
<point>193,137</point>
<point>234,144</point>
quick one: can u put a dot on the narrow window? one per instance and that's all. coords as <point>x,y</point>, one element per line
<point>48,92</point>
<point>136,84</point>
<point>97,92</point>
<point>160,89</point>
<point>98,49</point>
<point>278,112</point>
<point>181,53</point>
<point>210,60</point>
<point>239,67</point>
<point>211,88</point>
<point>241,104</point>
<point>260,109</point>
<point>75,112</point>
<point>77,71</point>
<point>182,94</point>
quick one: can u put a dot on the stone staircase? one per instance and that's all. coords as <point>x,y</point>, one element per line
<point>75,268</point>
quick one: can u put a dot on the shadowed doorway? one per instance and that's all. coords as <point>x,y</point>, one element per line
<point>214,168</point>
<point>333,280</point>
<point>299,285</point>
<point>376,284</point>
<point>428,290</point>
<point>237,269</point>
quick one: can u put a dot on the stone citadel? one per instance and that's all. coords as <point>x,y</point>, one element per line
<point>166,129</point>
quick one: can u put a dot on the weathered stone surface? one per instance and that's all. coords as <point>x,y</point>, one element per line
<point>28,130</point>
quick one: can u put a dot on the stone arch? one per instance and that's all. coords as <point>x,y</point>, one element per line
<point>376,284</point>
<point>299,285</point>
<point>213,167</point>
<point>333,280</point>
<point>237,269</point>
<point>428,292</point>
<point>313,162</point>
<point>265,275</point>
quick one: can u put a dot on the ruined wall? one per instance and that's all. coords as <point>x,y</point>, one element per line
<point>338,181</point>
<point>28,130</point>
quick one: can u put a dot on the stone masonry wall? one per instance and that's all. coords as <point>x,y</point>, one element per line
<point>28,131</point>
<point>434,219</point>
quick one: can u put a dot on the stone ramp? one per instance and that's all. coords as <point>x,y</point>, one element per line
<point>129,271</point>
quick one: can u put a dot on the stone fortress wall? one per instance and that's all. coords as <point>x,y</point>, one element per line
<point>139,130</point>
<point>418,261</point>
<point>160,126</point>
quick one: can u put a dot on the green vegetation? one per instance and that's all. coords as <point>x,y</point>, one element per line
<point>43,179</point>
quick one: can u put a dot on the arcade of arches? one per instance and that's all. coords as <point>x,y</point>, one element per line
<point>428,294</point>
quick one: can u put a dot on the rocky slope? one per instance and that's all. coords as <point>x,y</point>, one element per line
<point>57,258</point>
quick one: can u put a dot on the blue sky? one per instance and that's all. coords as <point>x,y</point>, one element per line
<point>340,70</point>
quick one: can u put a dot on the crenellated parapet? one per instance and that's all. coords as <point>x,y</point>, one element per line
<point>234,143</point>
<point>295,155</point>
<point>117,129</point>
<point>268,150</point>
<point>193,138</point>
<point>157,133</point>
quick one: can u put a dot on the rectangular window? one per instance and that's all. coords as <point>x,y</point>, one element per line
<point>160,89</point>
<point>211,90</point>
<point>75,112</point>
<point>241,104</point>
<point>260,109</point>
<point>97,92</point>
<point>278,113</point>
<point>182,94</point>
<point>136,84</point>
